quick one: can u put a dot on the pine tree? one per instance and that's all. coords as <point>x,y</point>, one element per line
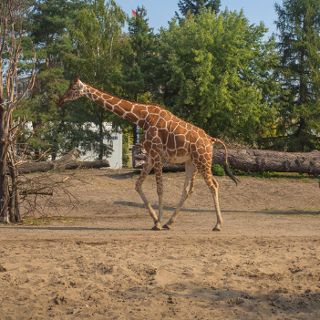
<point>49,22</point>
<point>97,40</point>
<point>140,60</point>
<point>195,6</point>
<point>299,45</point>
<point>138,79</point>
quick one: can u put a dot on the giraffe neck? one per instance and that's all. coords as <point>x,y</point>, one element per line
<point>122,108</point>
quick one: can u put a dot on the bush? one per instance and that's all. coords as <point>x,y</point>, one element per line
<point>218,170</point>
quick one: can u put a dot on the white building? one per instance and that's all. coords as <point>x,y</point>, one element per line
<point>115,144</point>
<point>115,158</point>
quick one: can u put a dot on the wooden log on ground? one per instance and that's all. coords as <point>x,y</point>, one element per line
<point>253,160</point>
<point>44,166</point>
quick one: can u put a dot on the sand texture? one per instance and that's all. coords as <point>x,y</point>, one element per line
<point>102,261</point>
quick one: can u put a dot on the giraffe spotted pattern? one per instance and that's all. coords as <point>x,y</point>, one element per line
<point>166,139</point>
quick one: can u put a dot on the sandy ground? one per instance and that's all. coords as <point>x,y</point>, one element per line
<point>102,261</point>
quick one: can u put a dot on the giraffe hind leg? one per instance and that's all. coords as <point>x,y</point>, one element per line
<point>214,188</point>
<point>158,174</point>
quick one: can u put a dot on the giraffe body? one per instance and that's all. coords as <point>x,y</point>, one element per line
<point>167,139</point>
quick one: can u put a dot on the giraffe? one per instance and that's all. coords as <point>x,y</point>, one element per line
<point>167,139</point>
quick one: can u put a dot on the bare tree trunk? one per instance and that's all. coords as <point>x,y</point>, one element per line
<point>12,35</point>
<point>14,207</point>
<point>4,196</point>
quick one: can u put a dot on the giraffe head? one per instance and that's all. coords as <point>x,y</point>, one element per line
<point>74,92</point>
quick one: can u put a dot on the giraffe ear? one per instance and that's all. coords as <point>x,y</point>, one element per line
<point>76,78</point>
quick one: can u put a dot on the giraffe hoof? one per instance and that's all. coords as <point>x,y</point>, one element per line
<point>167,227</point>
<point>156,228</point>
<point>216,228</point>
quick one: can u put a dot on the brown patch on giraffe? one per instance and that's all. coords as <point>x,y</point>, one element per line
<point>172,125</point>
<point>131,117</point>
<point>171,153</point>
<point>192,137</point>
<point>181,152</point>
<point>140,111</point>
<point>171,141</point>
<point>156,140</point>
<point>179,130</point>
<point>147,145</point>
<point>208,148</point>
<point>141,123</point>
<point>183,124</point>
<point>99,100</point>
<point>152,119</point>
<point>163,113</point>
<point>113,100</point>
<point>151,132</point>
<point>106,97</point>
<point>126,105</point>
<point>161,124</point>
<point>163,134</point>
<point>154,154</point>
<point>180,140</point>
<point>117,110</point>
<point>154,109</point>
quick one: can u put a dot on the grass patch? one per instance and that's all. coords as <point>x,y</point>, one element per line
<point>218,170</point>
<point>278,175</point>
<point>41,221</point>
<point>32,221</point>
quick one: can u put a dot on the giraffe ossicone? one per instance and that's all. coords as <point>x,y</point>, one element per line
<point>167,139</point>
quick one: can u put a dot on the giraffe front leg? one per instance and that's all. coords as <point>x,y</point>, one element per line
<point>191,172</point>
<point>144,173</point>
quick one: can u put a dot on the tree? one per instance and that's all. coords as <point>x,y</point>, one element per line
<point>215,73</point>
<point>140,62</point>
<point>195,6</point>
<point>96,37</point>
<point>299,45</point>
<point>49,21</point>
<point>16,80</point>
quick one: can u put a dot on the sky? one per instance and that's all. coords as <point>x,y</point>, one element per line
<point>161,11</point>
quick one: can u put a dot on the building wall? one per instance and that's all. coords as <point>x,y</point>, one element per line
<point>115,159</point>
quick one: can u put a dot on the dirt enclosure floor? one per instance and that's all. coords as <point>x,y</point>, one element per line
<point>102,261</point>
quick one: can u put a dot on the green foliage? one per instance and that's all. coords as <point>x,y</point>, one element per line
<point>211,68</point>
<point>139,64</point>
<point>73,37</point>
<point>216,74</point>
<point>48,23</point>
<point>299,73</point>
<point>95,34</point>
<point>196,6</point>
<point>218,170</point>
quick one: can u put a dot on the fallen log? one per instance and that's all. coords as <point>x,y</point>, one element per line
<point>253,160</point>
<point>44,166</point>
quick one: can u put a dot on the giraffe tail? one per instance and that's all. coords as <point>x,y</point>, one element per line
<point>226,164</point>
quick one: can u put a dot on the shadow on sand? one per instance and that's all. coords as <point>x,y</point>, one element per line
<point>71,228</point>
<point>209,210</point>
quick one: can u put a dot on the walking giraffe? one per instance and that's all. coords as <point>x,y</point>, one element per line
<point>167,139</point>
